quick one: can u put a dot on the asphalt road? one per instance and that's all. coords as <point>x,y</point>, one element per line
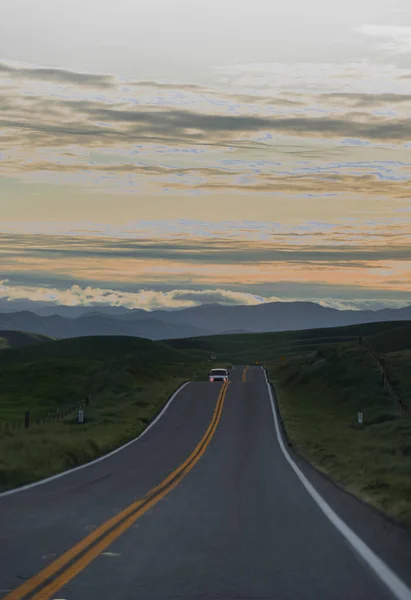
<point>234,521</point>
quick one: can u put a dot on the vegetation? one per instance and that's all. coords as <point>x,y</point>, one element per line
<point>17,339</point>
<point>128,381</point>
<point>263,347</point>
<point>113,419</point>
<point>320,396</point>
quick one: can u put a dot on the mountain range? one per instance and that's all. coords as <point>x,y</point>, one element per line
<point>207,319</point>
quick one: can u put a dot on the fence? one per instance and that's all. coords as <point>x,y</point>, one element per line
<point>27,422</point>
<point>398,401</point>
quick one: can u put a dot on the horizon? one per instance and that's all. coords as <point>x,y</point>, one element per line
<point>31,306</point>
<point>151,165</point>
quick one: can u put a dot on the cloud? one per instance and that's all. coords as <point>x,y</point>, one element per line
<point>91,124</point>
<point>371,179</point>
<point>119,168</point>
<point>198,250</point>
<point>166,85</point>
<point>362,304</point>
<point>364,184</point>
<point>220,296</point>
<point>400,37</point>
<point>90,296</point>
<point>147,299</point>
<point>238,97</point>
<point>368,100</point>
<point>57,76</point>
<point>196,125</point>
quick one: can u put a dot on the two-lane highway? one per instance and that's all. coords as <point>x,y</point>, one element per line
<point>205,505</point>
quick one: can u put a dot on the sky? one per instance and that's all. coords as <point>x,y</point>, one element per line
<point>168,153</point>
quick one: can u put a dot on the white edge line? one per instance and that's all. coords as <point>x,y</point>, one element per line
<point>96,460</point>
<point>398,588</point>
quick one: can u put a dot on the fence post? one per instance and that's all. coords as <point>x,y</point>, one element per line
<point>27,419</point>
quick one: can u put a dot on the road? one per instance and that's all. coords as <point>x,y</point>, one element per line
<point>206,506</point>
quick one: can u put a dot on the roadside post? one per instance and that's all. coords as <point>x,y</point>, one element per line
<point>27,419</point>
<point>360,418</point>
<point>80,415</point>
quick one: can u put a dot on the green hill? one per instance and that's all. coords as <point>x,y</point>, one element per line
<point>396,338</point>
<point>251,347</point>
<point>60,374</point>
<point>121,382</point>
<point>19,339</point>
<point>99,348</point>
<point>320,393</point>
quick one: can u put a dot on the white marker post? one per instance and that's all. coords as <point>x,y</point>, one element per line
<point>360,418</point>
<point>80,415</point>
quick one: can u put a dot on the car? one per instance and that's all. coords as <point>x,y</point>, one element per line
<point>218,375</point>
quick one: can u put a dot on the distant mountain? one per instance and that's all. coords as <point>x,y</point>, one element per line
<point>190,322</point>
<point>47,308</point>
<point>78,311</point>
<point>275,316</point>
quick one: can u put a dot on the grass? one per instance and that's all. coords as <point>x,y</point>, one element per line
<point>263,347</point>
<point>129,381</point>
<point>397,338</point>
<point>397,365</point>
<point>320,395</point>
<point>98,348</point>
<point>29,455</point>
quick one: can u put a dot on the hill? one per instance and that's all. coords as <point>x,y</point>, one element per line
<point>98,348</point>
<point>322,388</point>
<point>397,338</point>
<point>261,347</point>
<point>121,383</point>
<point>19,339</point>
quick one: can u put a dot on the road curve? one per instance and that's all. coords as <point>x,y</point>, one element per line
<point>204,506</point>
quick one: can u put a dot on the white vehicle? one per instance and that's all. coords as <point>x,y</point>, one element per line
<point>218,375</point>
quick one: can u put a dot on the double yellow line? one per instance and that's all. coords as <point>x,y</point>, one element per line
<point>72,562</point>
<point>244,375</point>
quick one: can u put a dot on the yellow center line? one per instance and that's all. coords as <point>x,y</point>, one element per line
<point>244,375</point>
<point>124,520</point>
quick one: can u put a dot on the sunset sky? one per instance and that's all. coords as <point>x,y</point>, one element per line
<point>164,153</point>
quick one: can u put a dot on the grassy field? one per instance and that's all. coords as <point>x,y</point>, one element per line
<point>263,347</point>
<point>128,380</point>
<point>61,374</point>
<point>320,396</point>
